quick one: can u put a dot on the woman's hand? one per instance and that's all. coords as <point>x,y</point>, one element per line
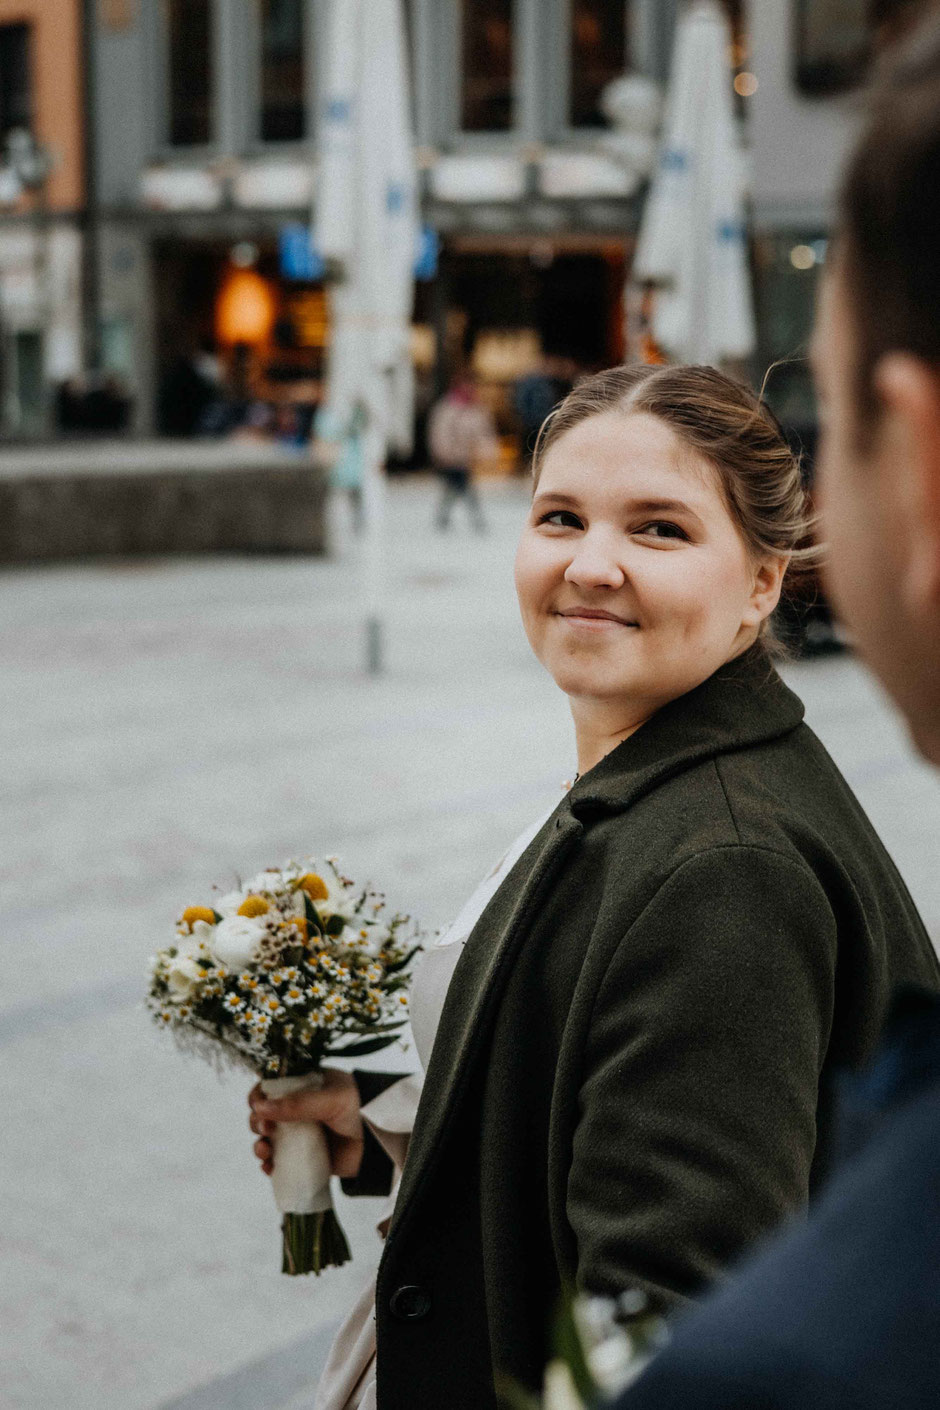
<point>335,1105</point>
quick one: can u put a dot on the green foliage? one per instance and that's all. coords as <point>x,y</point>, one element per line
<point>400,964</point>
<point>368,1045</point>
<point>570,1349</point>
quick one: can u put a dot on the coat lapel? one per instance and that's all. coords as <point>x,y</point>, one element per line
<point>473,995</point>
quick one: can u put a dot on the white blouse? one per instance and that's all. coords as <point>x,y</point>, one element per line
<point>348,1380</point>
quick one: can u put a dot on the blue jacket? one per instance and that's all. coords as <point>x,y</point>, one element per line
<point>843,1309</point>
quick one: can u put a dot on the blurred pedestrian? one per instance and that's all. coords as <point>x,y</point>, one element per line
<point>535,396</point>
<point>844,1311</point>
<point>461,432</point>
<point>186,397</point>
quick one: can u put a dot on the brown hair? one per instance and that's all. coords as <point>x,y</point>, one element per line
<point>722,421</point>
<point>889,219</point>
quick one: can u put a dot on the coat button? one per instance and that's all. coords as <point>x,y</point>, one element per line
<point>410,1303</point>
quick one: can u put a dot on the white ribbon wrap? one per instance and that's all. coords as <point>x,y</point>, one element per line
<point>301,1174</point>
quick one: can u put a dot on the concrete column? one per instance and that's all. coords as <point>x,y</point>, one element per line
<point>425,62</point>
<point>653,25</point>
<point>236,60</point>
<point>531,36</point>
<point>642,25</point>
<point>314,48</point>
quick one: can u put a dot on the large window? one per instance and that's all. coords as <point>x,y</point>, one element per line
<point>283,95</point>
<point>189,48</point>
<point>16,104</point>
<point>487,65</point>
<point>833,44</point>
<point>598,54</point>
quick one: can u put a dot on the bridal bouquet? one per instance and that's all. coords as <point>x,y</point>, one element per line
<point>295,967</point>
<point>601,1346</point>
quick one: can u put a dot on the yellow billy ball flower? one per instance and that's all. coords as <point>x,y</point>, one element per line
<point>194,913</point>
<point>315,887</point>
<point>253,906</point>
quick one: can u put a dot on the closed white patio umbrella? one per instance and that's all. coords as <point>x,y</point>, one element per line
<point>692,242</point>
<point>366,224</point>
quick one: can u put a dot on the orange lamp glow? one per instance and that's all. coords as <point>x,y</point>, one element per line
<point>245,308</point>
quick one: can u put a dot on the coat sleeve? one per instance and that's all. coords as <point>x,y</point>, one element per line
<point>697,1110</point>
<point>376,1171</point>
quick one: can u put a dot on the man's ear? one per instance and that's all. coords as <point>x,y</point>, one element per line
<point>908,452</point>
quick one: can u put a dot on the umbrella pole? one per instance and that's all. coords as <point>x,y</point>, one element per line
<point>374,542</point>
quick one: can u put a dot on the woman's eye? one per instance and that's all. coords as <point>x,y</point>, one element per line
<point>562,519</point>
<point>663,529</point>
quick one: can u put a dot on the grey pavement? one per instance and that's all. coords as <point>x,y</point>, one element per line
<point>164,724</point>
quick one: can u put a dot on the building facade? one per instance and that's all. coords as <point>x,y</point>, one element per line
<point>203,119</point>
<point>42,205</point>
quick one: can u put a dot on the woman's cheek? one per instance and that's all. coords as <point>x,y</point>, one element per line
<point>534,574</point>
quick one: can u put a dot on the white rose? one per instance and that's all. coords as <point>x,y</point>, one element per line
<point>190,942</point>
<point>228,904</point>
<point>339,902</point>
<point>183,974</point>
<point>236,939</point>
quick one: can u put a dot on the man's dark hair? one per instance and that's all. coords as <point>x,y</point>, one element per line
<point>891,19</point>
<point>889,222</point>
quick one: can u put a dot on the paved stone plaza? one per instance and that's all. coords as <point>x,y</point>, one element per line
<point>164,723</point>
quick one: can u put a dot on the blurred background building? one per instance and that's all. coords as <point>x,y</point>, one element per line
<point>156,270</point>
<point>43,207</point>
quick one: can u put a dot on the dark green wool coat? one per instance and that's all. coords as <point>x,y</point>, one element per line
<point>625,1086</point>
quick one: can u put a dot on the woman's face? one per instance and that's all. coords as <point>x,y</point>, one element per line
<point>633,580</point>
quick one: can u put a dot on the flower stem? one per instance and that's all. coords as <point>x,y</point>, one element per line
<point>312,1242</point>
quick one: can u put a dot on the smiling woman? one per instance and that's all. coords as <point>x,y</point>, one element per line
<point>628,1033</point>
<point>667,508</point>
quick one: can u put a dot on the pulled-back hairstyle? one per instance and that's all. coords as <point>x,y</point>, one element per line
<point>889,216</point>
<point>725,423</point>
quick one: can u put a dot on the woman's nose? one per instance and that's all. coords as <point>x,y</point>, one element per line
<point>595,564</point>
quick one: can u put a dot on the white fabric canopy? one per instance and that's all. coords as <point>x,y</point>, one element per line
<point>366,217</point>
<point>692,242</point>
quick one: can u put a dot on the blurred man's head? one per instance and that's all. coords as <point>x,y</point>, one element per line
<point>877,359</point>
<point>892,20</point>
<point>463,388</point>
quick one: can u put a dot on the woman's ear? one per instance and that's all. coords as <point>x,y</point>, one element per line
<point>768,583</point>
<point>907,454</point>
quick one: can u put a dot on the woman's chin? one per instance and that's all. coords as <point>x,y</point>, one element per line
<point>594,685</point>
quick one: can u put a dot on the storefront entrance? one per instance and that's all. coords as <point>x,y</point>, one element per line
<point>239,347</point>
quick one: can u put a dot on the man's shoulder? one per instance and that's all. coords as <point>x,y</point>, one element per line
<point>843,1309</point>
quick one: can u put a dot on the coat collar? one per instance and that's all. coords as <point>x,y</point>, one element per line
<point>742,704</point>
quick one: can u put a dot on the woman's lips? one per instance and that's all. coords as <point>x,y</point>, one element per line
<point>594,618</point>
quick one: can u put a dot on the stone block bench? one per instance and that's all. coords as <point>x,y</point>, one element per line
<point>157,497</point>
